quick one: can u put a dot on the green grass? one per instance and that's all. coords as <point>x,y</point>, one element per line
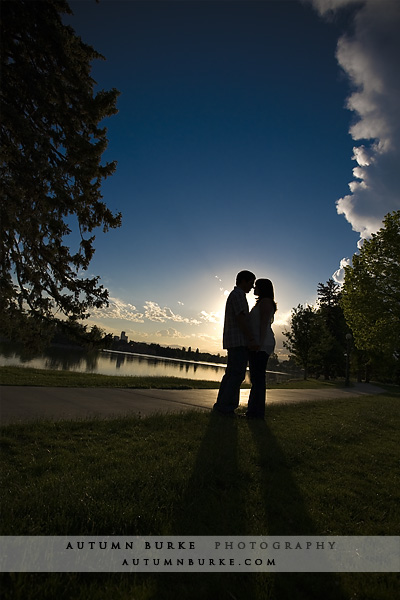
<point>47,377</point>
<point>55,378</point>
<point>308,384</point>
<point>326,468</point>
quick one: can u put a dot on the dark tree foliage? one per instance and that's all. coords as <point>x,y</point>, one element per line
<point>331,343</point>
<point>316,340</point>
<point>302,337</point>
<point>367,307</point>
<point>51,171</point>
<point>371,298</point>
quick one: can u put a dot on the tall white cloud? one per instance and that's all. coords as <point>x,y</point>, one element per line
<point>369,55</point>
<point>370,58</point>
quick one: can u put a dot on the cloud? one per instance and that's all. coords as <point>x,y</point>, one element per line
<point>154,312</point>
<point>211,317</point>
<point>338,275</point>
<point>222,289</point>
<point>326,6</point>
<point>170,333</point>
<point>118,309</point>
<point>137,335</point>
<point>212,343</point>
<point>370,58</point>
<point>368,54</point>
<point>282,319</point>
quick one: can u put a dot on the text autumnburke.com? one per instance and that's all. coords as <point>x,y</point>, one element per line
<point>209,562</point>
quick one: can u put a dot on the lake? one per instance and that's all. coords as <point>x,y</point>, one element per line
<point>115,363</point>
<point>109,363</point>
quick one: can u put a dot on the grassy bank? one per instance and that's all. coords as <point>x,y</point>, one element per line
<point>55,378</point>
<point>314,469</point>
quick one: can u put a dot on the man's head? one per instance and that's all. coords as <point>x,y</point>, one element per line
<point>245,280</point>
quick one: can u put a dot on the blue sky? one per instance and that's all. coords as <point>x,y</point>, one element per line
<point>234,144</point>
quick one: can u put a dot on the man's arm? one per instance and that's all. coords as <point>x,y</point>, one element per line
<point>243,323</point>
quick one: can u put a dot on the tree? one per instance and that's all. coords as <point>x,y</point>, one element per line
<point>273,362</point>
<point>328,294</point>
<point>331,343</point>
<point>302,336</point>
<point>79,335</point>
<point>50,167</point>
<point>371,291</point>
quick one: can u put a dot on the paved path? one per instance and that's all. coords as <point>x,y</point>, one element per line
<point>25,403</point>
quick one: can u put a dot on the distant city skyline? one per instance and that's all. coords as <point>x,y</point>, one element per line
<point>260,135</point>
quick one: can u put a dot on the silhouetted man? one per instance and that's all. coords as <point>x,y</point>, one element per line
<point>237,340</point>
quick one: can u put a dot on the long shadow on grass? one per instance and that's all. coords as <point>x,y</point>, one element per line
<point>212,504</point>
<point>287,514</point>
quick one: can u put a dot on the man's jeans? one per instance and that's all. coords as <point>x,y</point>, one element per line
<point>229,390</point>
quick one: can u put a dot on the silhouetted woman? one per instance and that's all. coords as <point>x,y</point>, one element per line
<point>261,317</point>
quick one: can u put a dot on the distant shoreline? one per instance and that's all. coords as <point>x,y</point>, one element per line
<point>181,360</point>
<point>157,357</point>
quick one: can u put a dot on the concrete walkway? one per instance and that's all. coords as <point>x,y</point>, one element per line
<point>25,403</point>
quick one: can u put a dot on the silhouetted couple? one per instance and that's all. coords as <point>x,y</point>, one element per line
<point>249,339</point>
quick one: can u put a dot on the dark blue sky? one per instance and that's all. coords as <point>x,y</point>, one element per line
<point>232,146</point>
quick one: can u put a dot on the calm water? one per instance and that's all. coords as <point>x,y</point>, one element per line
<point>109,363</point>
<point>117,363</point>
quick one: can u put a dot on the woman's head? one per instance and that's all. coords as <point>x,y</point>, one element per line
<point>264,289</point>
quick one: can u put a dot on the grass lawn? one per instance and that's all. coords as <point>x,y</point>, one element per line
<point>326,468</point>
<point>55,378</point>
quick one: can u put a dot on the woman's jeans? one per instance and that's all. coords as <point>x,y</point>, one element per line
<point>258,366</point>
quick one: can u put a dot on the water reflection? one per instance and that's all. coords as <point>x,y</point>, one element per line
<point>108,363</point>
<point>115,363</point>
<point>56,358</point>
